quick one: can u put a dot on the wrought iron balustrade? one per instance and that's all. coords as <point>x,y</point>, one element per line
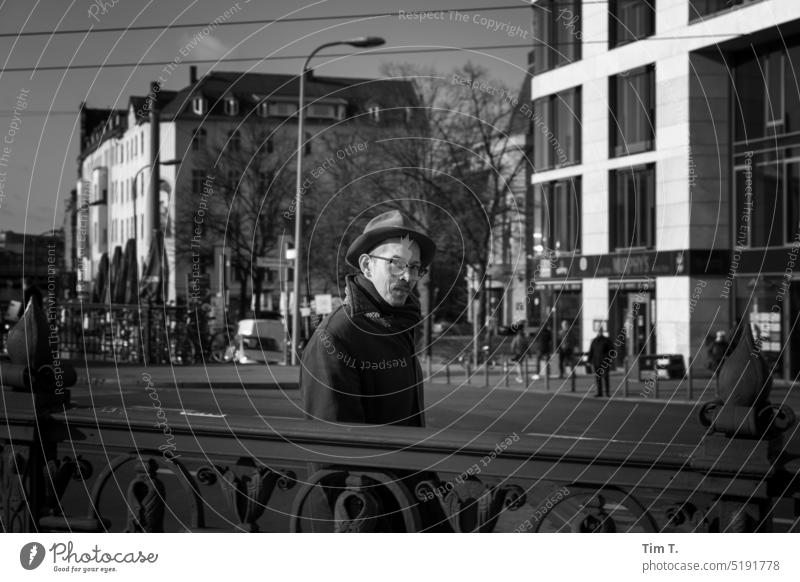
<point>112,470</point>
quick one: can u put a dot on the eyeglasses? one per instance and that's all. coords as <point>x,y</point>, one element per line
<point>398,266</point>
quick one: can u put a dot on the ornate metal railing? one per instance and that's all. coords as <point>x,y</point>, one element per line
<point>84,470</point>
<point>70,469</point>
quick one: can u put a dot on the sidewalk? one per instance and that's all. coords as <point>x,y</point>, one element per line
<point>581,384</point>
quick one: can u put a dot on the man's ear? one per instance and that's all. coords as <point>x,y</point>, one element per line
<point>363,264</point>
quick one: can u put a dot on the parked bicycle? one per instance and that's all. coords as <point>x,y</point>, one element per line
<point>192,342</point>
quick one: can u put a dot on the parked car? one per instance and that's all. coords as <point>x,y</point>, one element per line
<point>259,341</point>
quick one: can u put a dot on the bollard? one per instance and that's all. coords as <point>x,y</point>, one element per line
<point>505,374</point>
<point>466,372</point>
<point>655,384</point>
<point>572,378</point>
<point>689,379</point>
<point>525,366</point>
<point>627,371</point>
<point>430,367</point>
<point>447,372</point>
<point>486,373</point>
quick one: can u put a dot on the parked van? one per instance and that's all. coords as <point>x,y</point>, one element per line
<point>259,340</point>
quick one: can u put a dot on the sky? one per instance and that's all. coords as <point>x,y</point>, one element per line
<point>45,77</point>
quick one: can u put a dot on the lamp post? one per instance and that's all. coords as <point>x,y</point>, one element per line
<point>362,42</point>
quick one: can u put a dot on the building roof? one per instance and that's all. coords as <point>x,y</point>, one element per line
<point>249,89</point>
<point>253,88</point>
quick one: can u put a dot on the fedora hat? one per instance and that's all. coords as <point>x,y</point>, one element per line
<point>391,224</point>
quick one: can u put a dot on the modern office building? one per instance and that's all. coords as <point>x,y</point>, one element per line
<point>666,188</point>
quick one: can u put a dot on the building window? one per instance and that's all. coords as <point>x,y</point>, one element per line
<point>234,141</point>
<point>557,33</point>
<point>632,208</point>
<point>197,181</point>
<point>774,106</point>
<point>766,99</point>
<point>374,113</point>
<point>198,105</point>
<point>630,20</point>
<point>700,8</point>
<point>557,129</point>
<point>322,111</point>
<point>231,105</point>
<point>199,139</point>
<point>767,200</point>
<point>282,109</point>
<point>557,210</point>
<point>632,99</point>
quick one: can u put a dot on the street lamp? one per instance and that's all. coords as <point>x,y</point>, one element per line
<point>361,42</point>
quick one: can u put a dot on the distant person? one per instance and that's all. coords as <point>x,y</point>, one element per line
<point>566,347</point>
<point>717,352</point>
<point>519,350</point>
<point>600,360</point>
<point>30,291</point>
<point>545,348</point>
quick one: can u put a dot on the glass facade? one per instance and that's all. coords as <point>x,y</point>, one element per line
<point>700,8</point>
<point>557,130</point>
<point>766,110</point>
<point>630,20</point>
<point>557,215</point>
<point>632,101</point>
<point>632,208</point>
<point>557,33</point>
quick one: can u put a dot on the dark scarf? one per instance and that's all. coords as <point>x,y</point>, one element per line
<point>407,315</point>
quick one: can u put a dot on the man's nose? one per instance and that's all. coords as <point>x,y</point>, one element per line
<point>407,276</point>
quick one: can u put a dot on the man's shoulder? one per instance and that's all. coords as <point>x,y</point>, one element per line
<point>338,323</point>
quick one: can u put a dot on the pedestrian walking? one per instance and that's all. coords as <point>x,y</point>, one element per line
<point>545,348</point>
<point>566,348</point>
<point>601,360</point>
<point>519,350</point>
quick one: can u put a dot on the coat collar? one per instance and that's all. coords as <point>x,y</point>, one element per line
<point>361,298</point>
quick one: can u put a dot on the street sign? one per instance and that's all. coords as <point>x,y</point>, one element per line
<point>324,303</point>
<point>269,263</point>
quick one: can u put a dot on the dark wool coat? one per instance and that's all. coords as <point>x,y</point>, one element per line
<point>360,366</point>
<point>600,352</point>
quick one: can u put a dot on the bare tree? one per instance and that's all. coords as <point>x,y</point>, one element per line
<point>253,185</point>
<point>449,165</point>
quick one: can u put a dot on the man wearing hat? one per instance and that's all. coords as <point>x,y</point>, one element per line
<point>360,365</point>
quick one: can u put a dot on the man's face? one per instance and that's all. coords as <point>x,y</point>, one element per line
<point>393,288</point>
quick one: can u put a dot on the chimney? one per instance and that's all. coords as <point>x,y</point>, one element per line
<point>192,75</point>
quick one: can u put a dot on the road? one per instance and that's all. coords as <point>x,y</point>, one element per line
<point>499,407</point>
